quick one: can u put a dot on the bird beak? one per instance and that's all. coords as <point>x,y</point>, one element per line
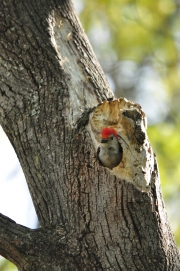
<point>104,140</point>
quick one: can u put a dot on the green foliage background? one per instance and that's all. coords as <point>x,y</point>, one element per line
<point>6,265</point>
<point>138,45</point>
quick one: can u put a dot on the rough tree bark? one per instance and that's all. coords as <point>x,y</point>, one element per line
<point>91,218</point>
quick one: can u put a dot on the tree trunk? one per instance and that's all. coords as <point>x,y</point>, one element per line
<point>91,218</point>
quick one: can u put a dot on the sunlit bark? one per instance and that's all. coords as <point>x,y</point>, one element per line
<point>90,218</point>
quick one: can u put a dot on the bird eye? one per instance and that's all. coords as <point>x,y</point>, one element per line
<point>112,137</point>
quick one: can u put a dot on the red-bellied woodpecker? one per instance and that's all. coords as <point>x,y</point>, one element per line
<point>109,152</point>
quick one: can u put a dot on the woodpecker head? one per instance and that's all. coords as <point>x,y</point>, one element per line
<point>110,151</point>
<point>108,135</point>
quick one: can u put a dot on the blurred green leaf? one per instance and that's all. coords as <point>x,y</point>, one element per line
<point>6,265</point>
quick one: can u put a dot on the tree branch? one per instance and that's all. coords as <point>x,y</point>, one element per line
<point>24,246</point>
<point>91,219</point>
<point>13,238</point>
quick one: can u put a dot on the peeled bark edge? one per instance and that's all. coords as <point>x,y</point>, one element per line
<point>130,123</point>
